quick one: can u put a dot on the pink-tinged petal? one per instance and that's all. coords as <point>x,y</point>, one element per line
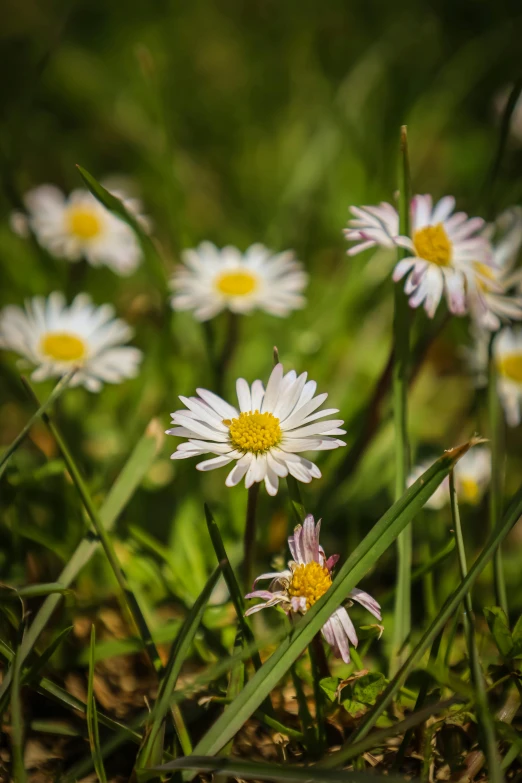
<point>266,595</point>
<point>328,633</point>
<point>292,548</point>
<point>443,209</point>
<point>456,293</point>
<point>342,648</point>
<point>332,561</point>
<point>310,543</point>
<point>366,600</point>
<point>298,604</point>
<point>298,550</point>
<point>273,575</point>
<point>402,268</point>
<point>347,624</point>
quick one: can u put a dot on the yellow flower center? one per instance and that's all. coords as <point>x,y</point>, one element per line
<point>310,581</point>
<point>432,244</point>
<point>469,490</point>
<point>510,366</point>
<point>84,223</point>
<point>237,283</point>
<point>63,347</point>
<point>484,271</point>
<point>254,431</point>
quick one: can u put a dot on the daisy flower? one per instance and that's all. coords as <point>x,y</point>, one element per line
<point>507,355</point>
<point>212,280</point>
<point>56,338</point>
<point>78,226</point>
<point>264,435</point>
<point>443,244</point>
<point>472,476</point>
<point>308,577</point>
<point>489,298</point>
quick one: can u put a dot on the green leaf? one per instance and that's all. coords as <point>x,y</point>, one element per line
<point>517,637</point>
<point>366,688</point>
<point>330,685</point>
<point>92,717</point>
<point>240,768</point>
<point>499,626</point>
<point>365,555</point>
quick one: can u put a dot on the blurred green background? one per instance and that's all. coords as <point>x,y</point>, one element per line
<point>244,122</point>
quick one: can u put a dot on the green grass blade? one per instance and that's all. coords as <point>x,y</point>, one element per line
<point>384,532</point>
<point>450,607</point>
<point>240,768</point>
<point>122,490</point>
<point>496,423</point>
<point>32,591</point>
<point>484,714</point>
<point>400,379</point>
<point>236,596</point>
<point>55,394</point>
<point>178,654</point>
<point>92,717</point>
<point>17,720</point>
<point>118,208</point>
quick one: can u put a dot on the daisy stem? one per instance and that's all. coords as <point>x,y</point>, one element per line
<point>227,351</point>
<point>56,392</point>
<point>320,670</point>
<point>249,541</point>
<point>296,502</point>
<point>484,714</point>
<point>495,495</point>
<point>401,342</point>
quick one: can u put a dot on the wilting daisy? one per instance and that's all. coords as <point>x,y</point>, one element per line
<point>490,287</point>
<point>443,245</point>
<point>78,226</point>
<point>308,577</point>
<point>212,280</point>
<point>472,476</point>
<point>507,355</point>
<point>56,338</point>
<point>264,435</point>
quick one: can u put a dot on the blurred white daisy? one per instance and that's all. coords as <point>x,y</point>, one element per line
<point>308,577</point>
<point>443,245</point>
<point>78,226</point>
<point>507,355</point>
<point>213,279</point>
<point>56,338</point>
<point>472,476</point>
<point>263,435</point>
<point>491,293</point>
